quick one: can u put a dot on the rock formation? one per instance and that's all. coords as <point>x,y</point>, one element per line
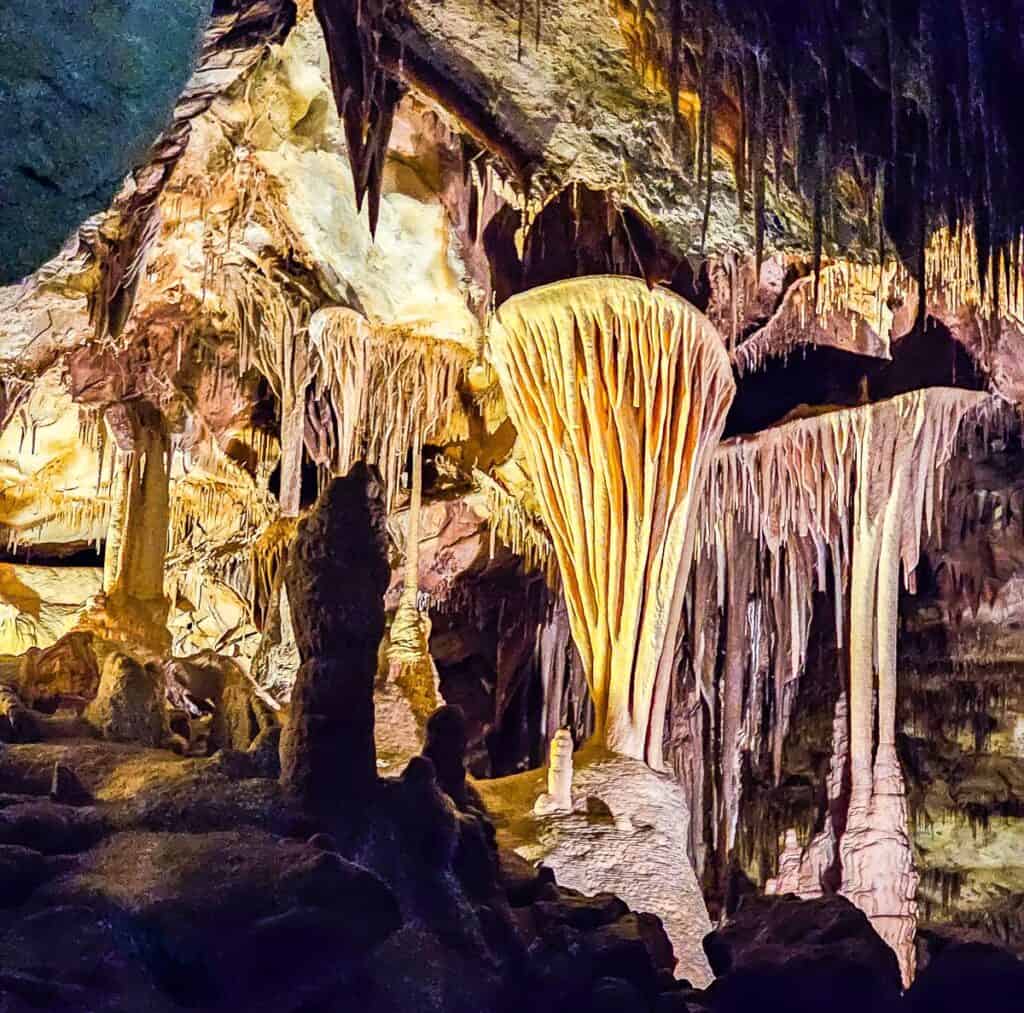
<point>419,390</point>
<point>328,757</point>
<point>558,797</point>
<point>620,395</point>
<point>129,704</point>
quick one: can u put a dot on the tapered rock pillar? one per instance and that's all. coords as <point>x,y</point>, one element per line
<point>875,850</point>
<point>336,577</point>
<point>619,394</point>
<point>134,607</point>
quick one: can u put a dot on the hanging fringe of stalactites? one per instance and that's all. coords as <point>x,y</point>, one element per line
<point>201,505</point>
<point>84,516</point>
<point>388,391</point>
<point>213,493</point>
<point>859,294</point>
<point>269,321</point>
<point>269,553</point>
<point>513,525</point>
<point>783,102</point>
<point>952,275</point>
<point>787,497</point>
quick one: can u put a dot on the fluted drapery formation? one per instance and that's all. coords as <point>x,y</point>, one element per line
<point>620,394</point>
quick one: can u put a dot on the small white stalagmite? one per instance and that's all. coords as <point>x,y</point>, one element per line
<point>620,394</point>
<point>558,797</point>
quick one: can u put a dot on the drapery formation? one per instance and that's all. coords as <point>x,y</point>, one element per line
<point>842,498</point>
<point>380,392</point>
<point>620,395</point>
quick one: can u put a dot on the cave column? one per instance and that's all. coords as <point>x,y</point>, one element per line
<point>867,529</point>
<point>294,381</point>
<point>140,515</point>
<point>875,850</point>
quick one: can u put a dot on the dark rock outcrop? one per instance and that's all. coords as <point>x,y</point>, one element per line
<point>445,747</point>
<point>967,976</point>
<point>336,578</point>
<point>786,955</point>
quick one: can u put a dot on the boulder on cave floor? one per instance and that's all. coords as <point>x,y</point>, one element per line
<point>224,921</point>
<point>626,834</point>
<point>787,955</point>
<point>966,976</point>
<point>130,704</point>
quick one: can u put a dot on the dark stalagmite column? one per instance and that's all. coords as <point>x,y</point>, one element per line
<point>336,578</point>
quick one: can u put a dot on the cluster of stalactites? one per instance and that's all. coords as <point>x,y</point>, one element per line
<point>366,92</point>
<point>850,306</point>
<point>514,526</point>
<point>786,501</point>
<point>954,280</point>
<point>381,392</point>
<point>619,394</point>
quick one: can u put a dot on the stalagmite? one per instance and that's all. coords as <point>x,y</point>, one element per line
<point>620,394</point>
<point>558,797</point>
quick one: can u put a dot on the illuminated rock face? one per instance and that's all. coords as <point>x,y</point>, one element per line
<point>620,394</point>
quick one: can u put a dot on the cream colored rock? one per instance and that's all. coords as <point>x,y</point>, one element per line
<point>558,797</point>
<point>627,834</point>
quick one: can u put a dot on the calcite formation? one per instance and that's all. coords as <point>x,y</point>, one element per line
<point>620,394</point>
<point>450,386</point>
<point>848,495</point>
<point>328,755</point>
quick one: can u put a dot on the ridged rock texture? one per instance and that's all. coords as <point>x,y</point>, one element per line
<point>620,394</point>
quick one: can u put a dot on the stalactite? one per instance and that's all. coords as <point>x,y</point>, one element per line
<point>515,527</point>
<point>357,368</point>
<point>620,394</point>
<point>365,91</point>
<point>272,326</point>
<point>860,308</point>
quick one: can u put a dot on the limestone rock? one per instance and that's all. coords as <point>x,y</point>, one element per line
<point>67,788</point>
<point>211,682</point>
<point>77,119</point>
<point>129,706</point>
<point>21,870</point>
<point>635,850</point>
<point>336,578</point>
<point>17,724</point>
<point>68,668</point>
<point>227,919</point>
<point>446,749</point>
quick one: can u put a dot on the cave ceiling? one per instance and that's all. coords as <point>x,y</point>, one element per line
<point>415,164</point>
